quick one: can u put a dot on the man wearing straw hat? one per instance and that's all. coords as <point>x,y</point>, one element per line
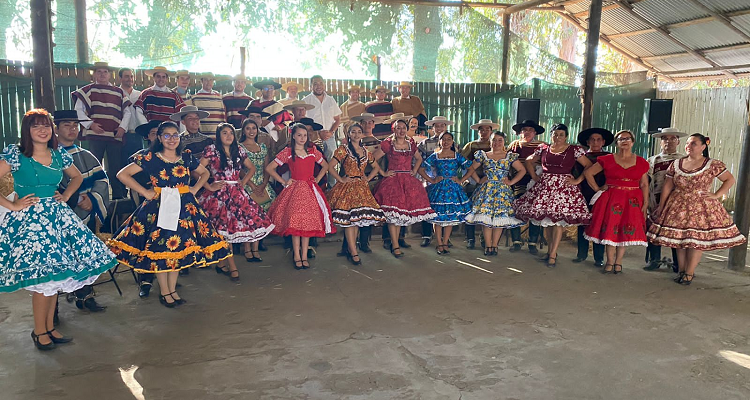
<point>352,107</point>
<point>183,82</point>
<point>299,109</point>
<point>669,141</point>
<point>408,104</point>
<point>193,139</point>
<point>439,125</point>
<point>292,89</point>
<point>382,108</point>
<point>485,128</point>
<point>236,101</point>
<point>210,101</point>
<point>158,102</point>
<point>105,114</point>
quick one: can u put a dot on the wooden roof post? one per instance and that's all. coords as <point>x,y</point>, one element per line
<point>41,36</point>
<point>506,52</point>
<point>738,254</point>
<point>589,68</point>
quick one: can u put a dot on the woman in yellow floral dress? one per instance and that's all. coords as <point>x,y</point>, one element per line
<point>170,231</point>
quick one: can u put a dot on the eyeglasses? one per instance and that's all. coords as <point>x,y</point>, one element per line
<point>268,89</point>
<point>167,136</point>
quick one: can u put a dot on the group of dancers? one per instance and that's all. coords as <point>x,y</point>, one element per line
<point>199,196</point>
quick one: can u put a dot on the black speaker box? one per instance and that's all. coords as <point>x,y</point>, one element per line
<point>657,114</point>
<point>524,109</point>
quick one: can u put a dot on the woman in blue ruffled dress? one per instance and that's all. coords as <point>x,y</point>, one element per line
<point>44,246</point>
<point>447,196</point>
<point>493,200</point>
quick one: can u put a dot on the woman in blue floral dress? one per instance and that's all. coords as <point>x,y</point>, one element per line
<point>493,200</point>
<point>44,246</point>
<point>447,196</point>
<point>168,231</point>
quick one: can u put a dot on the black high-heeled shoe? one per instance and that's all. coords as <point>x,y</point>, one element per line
<point>494,251</point>
<point>179,301</point>
<point>488,251</point>
<point>49,346</point>
<point>165,303</point>
<point>685,281</point>
<point>678,279</point>
<point>232,276</point>
<point>351,257</point>
<point>298,267</point>
<point>397,255</point>
<point>606,271</point>
<point>221,270</point>
<point>58,340</point>
<point>615,270</point>
<point>303,264</point>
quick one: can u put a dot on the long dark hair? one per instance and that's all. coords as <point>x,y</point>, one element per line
<point>453,145</point>
<point>157,146</point>
<point>308,145</point>
<point>33,117</point>
<point>705,140</point>
<point>351,146</point>
<point>234,148</point>
<point>245,123</point>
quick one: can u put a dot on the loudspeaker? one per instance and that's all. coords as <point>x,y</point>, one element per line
<point>524,109</point>
<point>657,113</point>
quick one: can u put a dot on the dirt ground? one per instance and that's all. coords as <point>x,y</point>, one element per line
<point>461,326</point>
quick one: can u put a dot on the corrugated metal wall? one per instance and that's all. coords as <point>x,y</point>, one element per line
<point>721,114</point>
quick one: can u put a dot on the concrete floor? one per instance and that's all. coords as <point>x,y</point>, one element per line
<point>422,327</point>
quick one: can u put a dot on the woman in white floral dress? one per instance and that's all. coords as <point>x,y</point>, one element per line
<point>44,246</point>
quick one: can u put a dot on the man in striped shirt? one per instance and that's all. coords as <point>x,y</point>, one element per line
<point>236,101</point>
<point>211,102</point>
<point>105,114</point>
<point>157,102</point>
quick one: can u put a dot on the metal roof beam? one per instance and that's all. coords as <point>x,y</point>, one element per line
<point>692,71</point>
<point>669,27</point>
<point>475,4</point>
<point>525,6</point>
<point>629,9</point>
<point>721,18</point>
<point>605,8</point>
<point>706,52</point>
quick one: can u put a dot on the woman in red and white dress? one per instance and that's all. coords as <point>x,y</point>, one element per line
<point>619,213</point>
<point>300,210</point>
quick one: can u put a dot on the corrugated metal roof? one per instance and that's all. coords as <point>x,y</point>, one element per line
<point>665,12</point>
<point>706,35</point>
<point>701,36</point>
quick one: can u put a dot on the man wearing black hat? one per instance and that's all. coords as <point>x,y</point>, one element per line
<point>525,147</point>
<point>594,139</point>
<point>277,116</point>
<point>91,201</point>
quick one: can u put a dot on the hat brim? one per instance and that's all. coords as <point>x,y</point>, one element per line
<point>433,122</point>
<point>375,91</point>
<point>144,129</point>
<point>300,87</point>
<point>405,118</point>
<point>306,106</point>
<point>658,135</point>
<point>478,125</point>
<point>110,68</point>
<point>360,118</point>
<point>538,128</point>
<point>262,84</point>
<point>585,134</point>
<point>263,114</point>
<point>151,72</point>
<point>404,85</point>
<point>177,117</point>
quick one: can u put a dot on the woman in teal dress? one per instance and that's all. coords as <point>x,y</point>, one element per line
<point>169,231</point>
<point>258,187</point>
<point>44,246</point>
<point>493,200</point>
<point>447,196</point>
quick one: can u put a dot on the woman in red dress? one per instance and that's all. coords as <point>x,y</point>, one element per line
<point>619,214</point>
<point>300,210</point>
<point>234,214</point>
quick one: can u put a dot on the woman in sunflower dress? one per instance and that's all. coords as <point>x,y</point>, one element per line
<point>301,210</point>
<point>259,188</point>
<point>352,203</point>
<point>447,196</point>
<point>44,246</point>
<point>234,214</point>
<point>168,231</point>
<point>493,200</point>
<point>690,216</point>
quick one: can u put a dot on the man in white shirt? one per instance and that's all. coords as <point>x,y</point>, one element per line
<point>133,141</point>
<point>326,113</point>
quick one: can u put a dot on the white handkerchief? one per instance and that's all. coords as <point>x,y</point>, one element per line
<point>4,210</point>
<point>169,210</point>
<point>272,132</point>
<point>596,197</point>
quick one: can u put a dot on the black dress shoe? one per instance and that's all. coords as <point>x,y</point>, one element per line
<point>343,253</point>
<point>387,244</point>
<point>470,244</point>
<point>425,242</point>
<point>532,249</point>
<point>311,252</point>
<point>145,290</point>
<point>185,271</point>
<point>516,247</point>
<point>365,247</point>
<point>599,264</point>
<point>402,243</point>
<point>49,346</point>
<point>91,305</point>
<point>578,260</point>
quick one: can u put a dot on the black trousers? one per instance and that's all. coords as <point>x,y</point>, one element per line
<point>515,234</point>
<point>364,238</point>
<point>583,247</point>
<point>387,233</point>
<point>653,253</point>
<point>426,230</point>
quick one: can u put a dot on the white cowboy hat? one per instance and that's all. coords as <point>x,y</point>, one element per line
<point>177,117</point>
<point>156,70</point>
<point>365,117</point>
<point>485,122</point>
<point>297,104</point>
<point>397,117</point>
<point>439,120</point>
<point>669,132</point>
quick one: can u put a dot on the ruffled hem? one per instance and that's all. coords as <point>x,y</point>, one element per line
<point>247,236</point>
<point>703,245</point>
<point>132,252</point>
<point>402,219</point>
<point>547,221</point>
<point>617,244</point>
<point>302,233</point>
<point>67,282</point>
<point>493,222</point>
<point>361,217</point>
